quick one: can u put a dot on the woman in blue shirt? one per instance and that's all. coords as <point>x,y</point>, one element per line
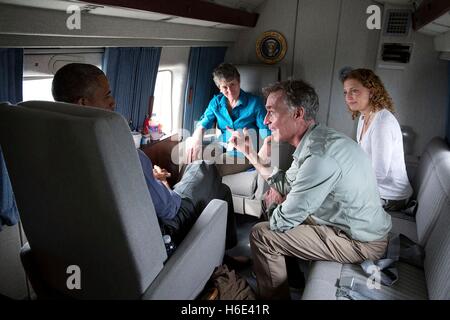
<point>233,108</point>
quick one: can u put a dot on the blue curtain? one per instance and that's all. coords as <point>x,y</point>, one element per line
<point>132,76</point>
<point>200,86</point>
<point>11,74</point>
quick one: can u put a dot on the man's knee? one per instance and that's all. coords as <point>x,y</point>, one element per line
<point>259,232</point>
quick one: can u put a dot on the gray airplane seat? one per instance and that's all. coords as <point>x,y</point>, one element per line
<point>87,214</point>
<point>429,228</point>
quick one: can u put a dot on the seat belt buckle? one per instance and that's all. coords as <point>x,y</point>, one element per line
<point>344,287</point>
<point>347,282</point>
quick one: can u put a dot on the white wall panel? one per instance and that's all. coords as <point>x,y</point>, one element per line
<point>420,91</point>
<point>274,16</point>
<point>356,47</point>
<point>317,31</point>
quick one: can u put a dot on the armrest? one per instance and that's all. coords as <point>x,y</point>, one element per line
<point>187,271</point>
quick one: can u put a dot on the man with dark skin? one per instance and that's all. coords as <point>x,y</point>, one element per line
<point>177,209</point>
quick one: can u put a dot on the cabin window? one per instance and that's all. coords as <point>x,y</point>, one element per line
<point>162,105</point>
<point>39,66</point>
<point>37,89</point>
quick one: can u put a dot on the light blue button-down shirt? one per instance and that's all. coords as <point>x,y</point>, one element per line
<point>249,113</point>
<point>331,178</point>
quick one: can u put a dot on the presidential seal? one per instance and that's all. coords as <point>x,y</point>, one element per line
<point>271,47</point>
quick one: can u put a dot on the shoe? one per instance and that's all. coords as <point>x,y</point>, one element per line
<point>211,294</point>
<point>237,262</point>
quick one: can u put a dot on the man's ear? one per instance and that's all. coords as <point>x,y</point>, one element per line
<point>84,102</point>
<point>81,101</point>
<point>299,113</point>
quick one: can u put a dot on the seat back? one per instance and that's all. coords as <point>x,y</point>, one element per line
<point>432,190</point>
<point>435,151</point>
<point>82,199</point>
<point>437,249</point>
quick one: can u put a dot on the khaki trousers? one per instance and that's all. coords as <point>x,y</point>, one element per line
<point>307,241</point>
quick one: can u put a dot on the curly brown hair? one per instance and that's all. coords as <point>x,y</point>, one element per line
<point>379,99</point>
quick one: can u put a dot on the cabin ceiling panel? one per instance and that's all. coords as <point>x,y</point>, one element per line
<point>433,14</point>
<point>196,22</point>
<point>193,9</point>
<point>100,28</point>
<point>229,26</point>
<point>399,2</point>
<point>439,26</point>
<point>191,12</point>
<point>249,5</point>
<point>62,5</point>
<point>40,42</point>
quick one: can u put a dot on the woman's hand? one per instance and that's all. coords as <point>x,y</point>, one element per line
<point>193,150</point>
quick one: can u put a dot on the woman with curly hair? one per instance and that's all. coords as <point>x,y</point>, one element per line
<point>379,135</point>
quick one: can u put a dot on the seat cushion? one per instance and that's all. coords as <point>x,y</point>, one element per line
<point>324,277</point>
<point>242,183</point>
<point>410,285</point>
<point>321,282</point>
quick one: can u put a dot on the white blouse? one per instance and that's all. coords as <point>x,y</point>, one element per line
<point>383,142</point>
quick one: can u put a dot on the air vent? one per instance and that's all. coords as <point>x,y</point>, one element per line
<point>398,22</point>
<point>396,52</point>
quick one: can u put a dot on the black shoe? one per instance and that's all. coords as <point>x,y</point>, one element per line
<point>237,262</point>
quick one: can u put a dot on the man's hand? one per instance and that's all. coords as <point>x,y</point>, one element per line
<point>273,196</point>
<point>241,142</point>
<point>265,152</point>
<point>160,174</point>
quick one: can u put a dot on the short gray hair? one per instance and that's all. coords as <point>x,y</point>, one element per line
<point>227,72</point>
<point>297,94</point>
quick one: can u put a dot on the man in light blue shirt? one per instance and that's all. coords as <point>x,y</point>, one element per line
<point>325,206</point>
<point>233,108</point>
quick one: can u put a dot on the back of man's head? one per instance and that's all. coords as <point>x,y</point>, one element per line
<point>75,81</point>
